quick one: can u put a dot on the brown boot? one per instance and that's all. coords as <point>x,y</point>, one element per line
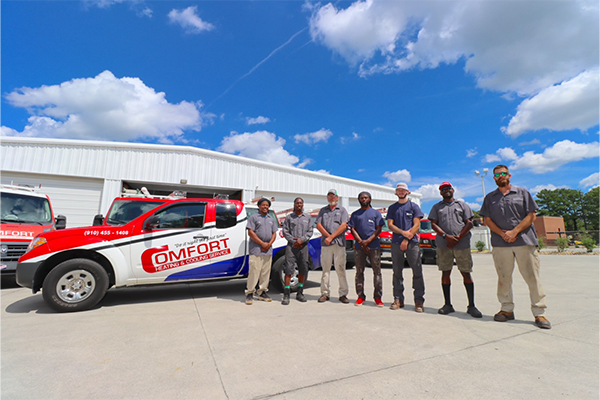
<point>396,305</point>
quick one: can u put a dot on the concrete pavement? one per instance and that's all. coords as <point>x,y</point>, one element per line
<point>199,341</point>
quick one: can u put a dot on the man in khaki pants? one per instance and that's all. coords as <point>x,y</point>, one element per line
<point>509,212</point>
<point>332,223</point>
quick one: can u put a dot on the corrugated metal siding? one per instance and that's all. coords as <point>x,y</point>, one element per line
<point>169,164</point>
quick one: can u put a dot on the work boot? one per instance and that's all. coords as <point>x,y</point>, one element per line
<point>396,305</point>
<point>447,309</point>
<point>286,299</point>
<point>300,295</point>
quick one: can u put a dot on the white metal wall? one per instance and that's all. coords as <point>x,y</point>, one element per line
<point>76,198</point>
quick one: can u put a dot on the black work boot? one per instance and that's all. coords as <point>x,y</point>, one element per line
<point>300,295</point>
<point>286,297</point>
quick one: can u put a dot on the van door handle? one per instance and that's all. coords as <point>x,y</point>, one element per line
<point>200,237</point>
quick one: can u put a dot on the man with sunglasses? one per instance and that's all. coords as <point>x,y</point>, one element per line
<point>452,220</point>
<point>509,212</point>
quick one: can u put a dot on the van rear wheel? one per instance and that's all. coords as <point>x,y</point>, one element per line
<point>75,285</point>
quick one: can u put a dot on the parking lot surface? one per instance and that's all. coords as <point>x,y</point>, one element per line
<point>200,341</point>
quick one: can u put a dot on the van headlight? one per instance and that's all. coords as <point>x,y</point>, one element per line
<point>36,242</point>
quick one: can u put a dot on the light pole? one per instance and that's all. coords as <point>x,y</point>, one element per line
<point>482,175</point>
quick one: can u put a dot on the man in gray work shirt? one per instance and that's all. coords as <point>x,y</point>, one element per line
<point>332,222</point>
<point>297,230</point>
<point>509,212</point>
<point>452,220</point>
<point>262,232</point>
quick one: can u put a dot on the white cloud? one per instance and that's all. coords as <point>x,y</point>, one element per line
<point>322,135</point>
<point>429,192</point>
<point>138,6</point>
<point>542,43</point>
<point>535,190</point>
<point>474,206</point>
<point>304,163</point>
<point>573,104</point>
<point>258,120</point>
<point>591,181</point>
<point>104,107</point>
<point>323,171</point>
<point>554,157</point>
<point>531,142</point>
<point>189,20</point>
<point>402,175</point>
<point>261,145</point>
<point>505,153</point>
<point>471,152</point>
<point>345,139</point>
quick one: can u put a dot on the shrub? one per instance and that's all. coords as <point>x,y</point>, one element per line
<point>562,244</point>
<point>588,243</point>
<point>542,242</point>
<point>480,246</point>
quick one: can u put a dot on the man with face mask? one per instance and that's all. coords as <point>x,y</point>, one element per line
<point>365,225</point>
<point>332,223</point>
<point>452,220</point>
<point>404,219</point>
<point>509,212</point>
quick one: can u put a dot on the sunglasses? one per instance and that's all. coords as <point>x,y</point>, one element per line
<point>446,189</point>
<point>499,174</point>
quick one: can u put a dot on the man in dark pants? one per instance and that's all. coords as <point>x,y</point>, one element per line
<point>404,218</point>
<point>452,220</point>
<point>509,212</point>
<point>297,230</point>
<point>365,225</point>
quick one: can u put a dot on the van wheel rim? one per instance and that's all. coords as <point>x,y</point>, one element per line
<point>75,286</point>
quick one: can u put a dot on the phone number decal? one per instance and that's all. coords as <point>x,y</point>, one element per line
<point>104,233</point>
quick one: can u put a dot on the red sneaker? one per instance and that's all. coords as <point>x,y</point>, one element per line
<point>359,302</point>
<point>379,302</point>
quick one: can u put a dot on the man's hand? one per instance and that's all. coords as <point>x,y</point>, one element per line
<point>365,246</point>
<point>328,240</point>
<point>265,247</point>
<point>510,236</point>
<point>404,245</point>
<point>408,234</point>
<point>297,243</point>
<point>452,241</point>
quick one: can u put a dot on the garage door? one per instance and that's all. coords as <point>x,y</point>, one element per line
<point>76,198</point>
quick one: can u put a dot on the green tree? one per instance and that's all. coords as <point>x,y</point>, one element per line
<point>591,211</point>
<point>566,203</point>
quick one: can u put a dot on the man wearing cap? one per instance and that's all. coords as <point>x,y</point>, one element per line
<point>262,231</point>
<point>297,230</point>
<point>365,225</point>
<point>509,212</point>
<point>452,220</point>
<point>332,223</point>
<point>404,219</point>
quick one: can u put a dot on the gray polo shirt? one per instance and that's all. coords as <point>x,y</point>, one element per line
<point>297,226</point>
<point>331,220</point>
<point>507,211</point>
<point>264,227</point>
<point>452,217</point>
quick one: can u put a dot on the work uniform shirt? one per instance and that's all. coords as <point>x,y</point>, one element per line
<point>403,215</point>
<point>452,217</point>
<point>507,211</point>
<point>264,227</point>
<point>297,226</point>
<point>366,222</point>
<point>331,220</point>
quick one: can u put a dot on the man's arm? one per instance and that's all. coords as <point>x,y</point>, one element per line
<point>255,237</point>
<point>287,231</point>
<point>511,236</point>
<point>322,229</point>
<point>339,231</point>
<point>267,246</point>
<point>395,229</point>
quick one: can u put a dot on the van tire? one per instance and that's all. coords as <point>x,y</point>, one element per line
<point>75,285</point>
<point>278,276</point>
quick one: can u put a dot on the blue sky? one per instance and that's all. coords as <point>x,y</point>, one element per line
<point>379,91</point>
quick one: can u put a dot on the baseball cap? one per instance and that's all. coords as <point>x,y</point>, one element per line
<point>402,185</point>
<point>445,184</point>
<point>332,191</point>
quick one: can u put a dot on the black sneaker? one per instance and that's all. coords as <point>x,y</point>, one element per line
<point>286,299</point>
<point>474,312</point>
<point>264,297</point>
<point>447,309</point>
<point>249,299</point>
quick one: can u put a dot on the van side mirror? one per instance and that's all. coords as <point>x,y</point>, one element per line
<point>151,223</point>
<point>98,220</point>
<point>60,222</point>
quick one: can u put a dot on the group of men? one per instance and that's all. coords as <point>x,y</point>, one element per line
<point>508,211</point>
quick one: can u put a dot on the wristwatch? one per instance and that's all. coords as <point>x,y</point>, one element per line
<point>444,236</point>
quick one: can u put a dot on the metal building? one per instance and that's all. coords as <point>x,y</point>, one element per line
<point>83,177</point>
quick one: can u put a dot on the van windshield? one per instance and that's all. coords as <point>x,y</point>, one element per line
<point>19,209</point>
<point>426,227</point>
<point>124,211</point>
